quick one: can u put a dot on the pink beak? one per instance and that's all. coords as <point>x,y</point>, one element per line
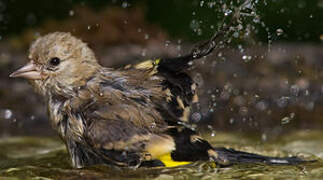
<point>29,71</point>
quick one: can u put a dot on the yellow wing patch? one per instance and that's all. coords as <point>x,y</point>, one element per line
<point>160,148</point>
<point>169,162</point>
<point>148,64</point>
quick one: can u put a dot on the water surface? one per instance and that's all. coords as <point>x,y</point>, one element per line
<point>46,158</point>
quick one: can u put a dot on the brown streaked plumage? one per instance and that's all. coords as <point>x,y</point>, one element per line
<point>133,116</point>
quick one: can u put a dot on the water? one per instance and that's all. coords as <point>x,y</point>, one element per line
<point>46,158</point>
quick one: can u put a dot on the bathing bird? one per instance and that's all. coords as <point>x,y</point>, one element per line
<point>138,115</point>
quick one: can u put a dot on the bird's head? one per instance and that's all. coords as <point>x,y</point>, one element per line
<point>58,63</point>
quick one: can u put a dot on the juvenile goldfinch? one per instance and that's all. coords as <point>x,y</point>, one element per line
<point>132,117</point>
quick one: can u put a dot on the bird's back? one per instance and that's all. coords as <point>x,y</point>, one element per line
<point>178,90</point>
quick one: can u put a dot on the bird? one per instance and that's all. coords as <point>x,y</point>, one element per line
<point>135,116</point>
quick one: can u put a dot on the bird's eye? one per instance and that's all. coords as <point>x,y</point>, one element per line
<point>55,61</point>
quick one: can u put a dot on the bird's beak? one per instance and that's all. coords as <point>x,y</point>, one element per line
<point>29,71</point>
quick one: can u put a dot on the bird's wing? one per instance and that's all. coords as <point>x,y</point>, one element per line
<point>179,90</point>
<point>125,134</point>
<point>131,116</point>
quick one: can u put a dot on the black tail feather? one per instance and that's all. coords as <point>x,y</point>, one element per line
<point>231,156</point>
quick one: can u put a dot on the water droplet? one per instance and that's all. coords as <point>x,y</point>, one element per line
<point>8,114</point>
<point>264,137</point>
<point>240,27</point>
<point>246,58</point>
<point>310,106</point>
<point>282,10</point>
<point>231,120</point>
<point>194,25</point>
<point>201,3</point>
<point>307,92</point>
<point>125,4</point>
<point>71,13</point>
<point>146,36</point>
<point>199,32</point>
<point>235,34</point>
<point>283,101</point>
<point>179,48</point>
<point>256,19</point>
<point>144,52</point>
<point>279,32</point>
<point>243,111</point>
<point>285,120</point>
<point>227,12</point>
<point>213,97</point>
<point>196,117</point>
<point>195,53</point>
<point>167,43</point>
<point>211,4</point>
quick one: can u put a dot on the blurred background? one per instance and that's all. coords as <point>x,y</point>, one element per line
<point>265,80</point>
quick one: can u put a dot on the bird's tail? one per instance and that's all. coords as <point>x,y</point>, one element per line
<point>227,157</point>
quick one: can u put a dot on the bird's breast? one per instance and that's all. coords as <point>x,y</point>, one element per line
<point>64,120</point>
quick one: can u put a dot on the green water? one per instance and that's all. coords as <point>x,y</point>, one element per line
<point>46,158</point>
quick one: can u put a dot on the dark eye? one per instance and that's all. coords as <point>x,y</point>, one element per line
<point>55,61</point>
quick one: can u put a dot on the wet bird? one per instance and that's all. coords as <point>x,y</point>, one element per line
<point>134,116</point>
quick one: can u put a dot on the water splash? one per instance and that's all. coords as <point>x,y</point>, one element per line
<point>7,114</point>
